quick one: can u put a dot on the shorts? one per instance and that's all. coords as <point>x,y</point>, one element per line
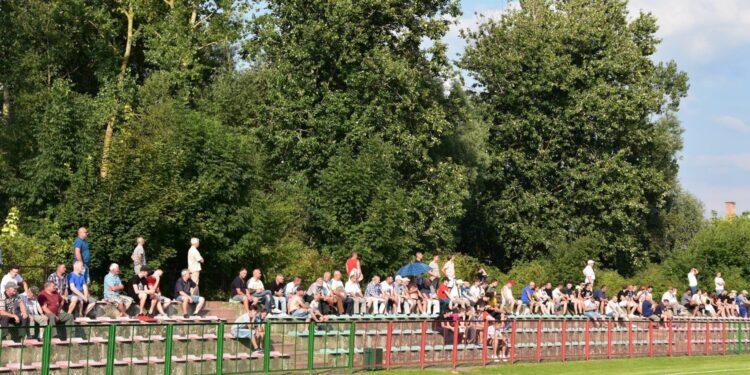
<point>239,297</point>
<point>193,299</point>
<point>119,300</point>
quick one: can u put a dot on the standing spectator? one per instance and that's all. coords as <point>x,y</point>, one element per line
<point>158,301</point>
<point>719,283</point>
<point>256,289</point>
<point>79,291</point>
<point>13,312</point>
<point>51,304</point>
<point>693,280</point>
<point>185,292</point>
<point>194,261</point>
<point>588,273</point>
<point>36,316</point>
<point>81,252</point>
<point>481,274</point>
<point>139,255</point>
<point>61,281</point>
<point>353,264</point>
<point>374,296</point>
<point>238,290</point>
<point>507,301</point>
<point>418,256</point>
<point>138,290</point>
<point>276,288</point>
<point>741,301</point>
<point>434,269</point>
<point>13,276</point>
<point>449,268</point>
<point>112,290</point>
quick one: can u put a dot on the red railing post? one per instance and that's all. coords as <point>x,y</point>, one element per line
<point>422,344</point>
<point>723,338</point>
<point>456,333</point>
<point>388,344</point>
<point>690,339</point>
<point>512,341</point>
<point>564,337</point>
<point>485,339</point>
<point>587,337</point>
<point>650,339</point>
<point>609,339</point>
<point>630,338</point>
<point>669,349</point>
<point>708,337</point>
<point>539,340</point>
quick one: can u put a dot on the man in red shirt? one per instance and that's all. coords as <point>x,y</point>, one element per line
<point>50,303</point>
<point>352,264</point>
<point>443,294</point>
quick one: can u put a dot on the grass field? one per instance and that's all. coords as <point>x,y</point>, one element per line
<point>722,365</point>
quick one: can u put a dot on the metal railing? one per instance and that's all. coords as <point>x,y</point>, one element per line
<point>372,343</point>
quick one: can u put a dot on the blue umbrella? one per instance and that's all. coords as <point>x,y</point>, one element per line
<point>413,269</point>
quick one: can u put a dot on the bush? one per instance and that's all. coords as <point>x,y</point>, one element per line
<point>569,258</point>
<point>537,271</point>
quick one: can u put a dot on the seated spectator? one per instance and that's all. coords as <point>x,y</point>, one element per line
<point>600,295</point>
<point>60,278</point>
<point>447,326</point>
<point>329,300</point>
<point>686,300</point>
<point>672,303</point>
<point>276,287</point>
<point>443,295</point>
<point>614,310</point>
<point>696,303</point>
<point>498,341</point>
<point>13,312</point>
<point>256,289</point>
<point>14,276</point>
<point>647,308</point>
<point>158,301</point>
<point>742,303</point>
<point>238,290</point>
<point>36,316</point>
<point>113,288</point>
<point>414,296</point>
<point>299,309</point>
<point>559,300</point>
<point>256,325</point>
<point>662,312</point>
<point>475,292</point>
<point>291,288</point>
<point>542,301</point>
<point>399,292</point>
<point>374,296</point>
<point>51,304</point>
<point>527,296</point>
<point>429,297</point>
<point>138,290</point>
<point>355,300</point>
<point>185,293</point>
<point>79,291</point>
<point>391,300</point>
<point>457,295</point>
<point>729,305</point>
<point>592,309</point>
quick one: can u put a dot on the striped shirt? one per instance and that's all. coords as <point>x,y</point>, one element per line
<point>61,282</point>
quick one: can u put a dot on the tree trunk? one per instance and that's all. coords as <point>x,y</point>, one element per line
<point>130,14</point>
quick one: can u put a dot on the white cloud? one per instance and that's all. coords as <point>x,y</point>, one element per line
<point>732,123</point>
<point>701,30</point>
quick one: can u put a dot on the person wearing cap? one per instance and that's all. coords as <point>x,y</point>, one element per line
<point>13,311</point>
<point>51,303</point>
<point>138,289</point>
<point>113,288</point>
<point>78,290</point>
<point>588,273</point>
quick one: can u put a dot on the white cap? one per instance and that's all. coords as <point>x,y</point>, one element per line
<point>591,262</point>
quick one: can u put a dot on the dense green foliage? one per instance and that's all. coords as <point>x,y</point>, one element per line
<point>287,133</point>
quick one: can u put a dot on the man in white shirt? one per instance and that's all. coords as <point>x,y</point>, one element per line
<point>14,276</point>
<point>139,255</point>
<point>588,273</point>
<point>693,280</point>
<point>719,283</point>
<point>256,289</point>
<point>354,292</point>
<point>449,268</point>
<point>194,260</point>
<point>290,290</point>
<point>386,290</point>
<point>434,269</point>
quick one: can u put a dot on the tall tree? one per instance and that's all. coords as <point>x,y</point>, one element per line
<point>356,103</point>
<point>578,142</point>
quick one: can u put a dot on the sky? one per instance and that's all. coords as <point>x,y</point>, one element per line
<point>709,40</point>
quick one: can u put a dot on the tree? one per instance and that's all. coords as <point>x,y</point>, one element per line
<point>356,104</point>
<point>581,142</point>
<point>675,226</point>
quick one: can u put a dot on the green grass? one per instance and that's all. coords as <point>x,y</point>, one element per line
<point>723,365</point>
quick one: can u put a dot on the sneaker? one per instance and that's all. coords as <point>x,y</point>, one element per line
<point>275,311</point>
<point>259,350</point>
<point>186,316</point>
